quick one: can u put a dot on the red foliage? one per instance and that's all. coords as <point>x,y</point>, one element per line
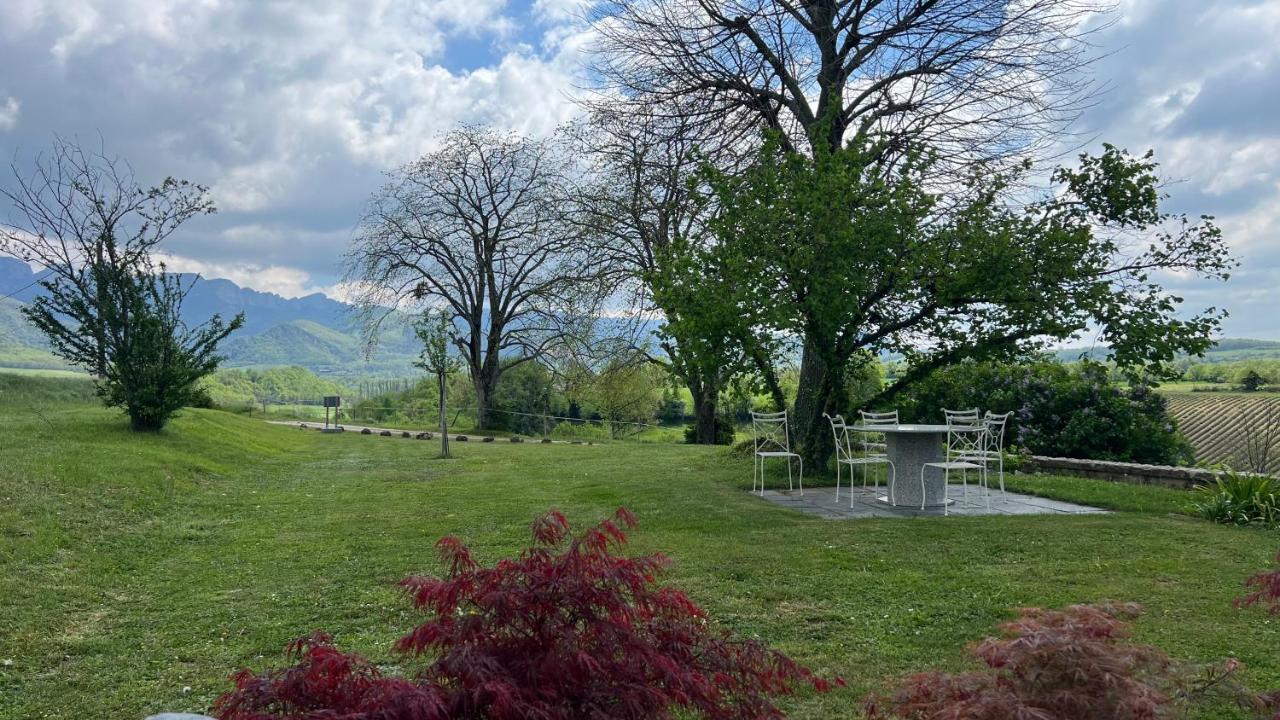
<point>566,630</point>
<point>1265,588</point>
<point>1062,665</point>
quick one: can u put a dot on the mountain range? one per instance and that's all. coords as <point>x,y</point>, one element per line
<point>314,331</point>
<point>322,334</point>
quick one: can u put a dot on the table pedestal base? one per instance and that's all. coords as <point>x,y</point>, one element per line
<point>885,499</point>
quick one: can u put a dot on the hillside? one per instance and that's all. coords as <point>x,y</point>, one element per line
<point>314,332</point>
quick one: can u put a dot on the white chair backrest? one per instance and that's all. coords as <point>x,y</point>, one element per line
<point>840,433</point>
<point>770,431</point>
<point>961,417</point>
<point>996,423</point>
<point>879,418</point>
<point>965,436</point>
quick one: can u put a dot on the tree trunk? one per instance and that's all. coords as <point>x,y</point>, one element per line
<point>484,400</point>
<point>810,434</point>
<point>706,396</point>
<point>444,420</point>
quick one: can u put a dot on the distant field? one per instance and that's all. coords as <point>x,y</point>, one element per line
<point>1216,423</point>
<point>43,372</point>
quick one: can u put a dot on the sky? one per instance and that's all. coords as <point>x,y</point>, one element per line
<point>291,110</point>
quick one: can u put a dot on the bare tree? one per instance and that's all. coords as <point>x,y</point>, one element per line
<point>1259,432</point>
<point>107,306</point>
<point>639,199</point>
<point>477,228</point>
<point>973,78</point>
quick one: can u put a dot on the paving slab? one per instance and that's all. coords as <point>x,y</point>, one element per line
<point>866,503</point>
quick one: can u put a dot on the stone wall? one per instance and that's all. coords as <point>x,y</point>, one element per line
<point>1175,477</point>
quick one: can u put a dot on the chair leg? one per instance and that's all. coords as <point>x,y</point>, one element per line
<point>893,482</point>
<point>922,493</point>
<point>790,483</point>
<point>1003,494</point>
<point>838,464</point>
<point>946,483</point>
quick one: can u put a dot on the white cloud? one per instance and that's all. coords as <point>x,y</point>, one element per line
<point>284,281</point>
<point>9,113</point>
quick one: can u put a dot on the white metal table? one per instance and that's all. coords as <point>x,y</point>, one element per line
<point>909,447</point>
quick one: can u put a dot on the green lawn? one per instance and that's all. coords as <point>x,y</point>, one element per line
<point>133,567</point>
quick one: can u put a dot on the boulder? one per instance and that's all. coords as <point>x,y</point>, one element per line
<point>546,441</point>
<point>487,438</point>
<point>366,431</point>
<point>424,436</point>
<point>385,433</point>
<point>517,439</point>
<point>406,434</point>
<point>462,438</point>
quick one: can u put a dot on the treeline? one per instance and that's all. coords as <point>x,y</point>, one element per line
<point>621,399</point>
<point>240,389</point>
<point>1243,374</point>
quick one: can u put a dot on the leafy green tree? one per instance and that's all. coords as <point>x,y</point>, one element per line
<point>1252,381</point>
<point>108,306</point>
<point>851,257</point>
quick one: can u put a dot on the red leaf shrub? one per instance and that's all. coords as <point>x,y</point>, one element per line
<point>1265,588</point>
<point>1063,665</point>
<point>566,630</point>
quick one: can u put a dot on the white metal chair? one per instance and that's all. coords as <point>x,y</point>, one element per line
<point>772,438</point>
<point>964,442</point>
<point>961,417</point>
<point>992,450</point>
<point>876,440</point>
<point>846,456</point>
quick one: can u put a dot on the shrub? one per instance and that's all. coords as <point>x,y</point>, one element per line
<point>1065,411</point>
<point>1064,665</point>
<point>1239,499</point>
<point>566,630</point>
<point>1265,590</point>
<point>724,432</point>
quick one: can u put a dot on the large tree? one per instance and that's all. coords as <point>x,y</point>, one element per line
<point>478,228</point>
<point>855,260</point>
<point>983,83</point>
<point>107,306</point>
<point>973,78</point>
<point>652,221</point>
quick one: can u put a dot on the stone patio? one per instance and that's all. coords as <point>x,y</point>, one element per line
<point>821,501</point>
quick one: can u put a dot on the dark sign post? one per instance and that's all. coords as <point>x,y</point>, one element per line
<point>335,402</point>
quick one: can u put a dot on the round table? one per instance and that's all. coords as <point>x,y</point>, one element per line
<point>909,447</point>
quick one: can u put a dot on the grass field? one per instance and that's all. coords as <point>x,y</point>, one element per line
<point>137,571</point>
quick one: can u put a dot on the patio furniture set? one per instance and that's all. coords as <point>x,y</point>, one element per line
<point>923,456</point>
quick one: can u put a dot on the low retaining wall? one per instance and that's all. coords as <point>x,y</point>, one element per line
<point>1175,477</point>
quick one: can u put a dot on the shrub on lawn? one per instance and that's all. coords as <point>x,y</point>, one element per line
<point>566,630</point>
<point>1239,499</point>
<point>1058,410</point>
<point>1265,590</point>
<point>1064,665</point>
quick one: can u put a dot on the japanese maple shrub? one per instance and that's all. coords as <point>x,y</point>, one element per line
<point>1065,665</point>
<point>1264,589</point>
<point>569,629</point>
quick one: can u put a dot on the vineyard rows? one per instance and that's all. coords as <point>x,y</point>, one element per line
<point>1216,424</point>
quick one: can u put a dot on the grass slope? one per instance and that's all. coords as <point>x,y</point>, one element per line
<point>134,566</point>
